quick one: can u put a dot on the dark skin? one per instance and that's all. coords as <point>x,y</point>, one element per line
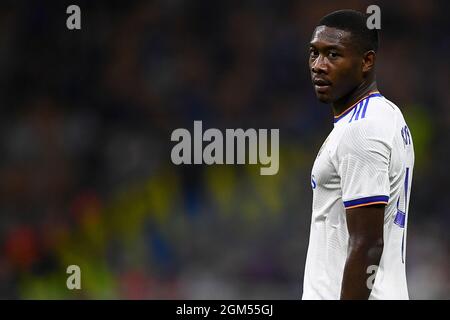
<point>365,247</point>
<point>343,73</point>
<point>338,62</point>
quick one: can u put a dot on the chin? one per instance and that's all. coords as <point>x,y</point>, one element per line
<point>324,98</point>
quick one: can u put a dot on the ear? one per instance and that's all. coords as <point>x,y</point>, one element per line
<point>368,63</point>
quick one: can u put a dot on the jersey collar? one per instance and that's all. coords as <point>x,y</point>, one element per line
<point>344,113</point>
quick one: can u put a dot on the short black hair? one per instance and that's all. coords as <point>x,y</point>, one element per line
<point>356,23</point>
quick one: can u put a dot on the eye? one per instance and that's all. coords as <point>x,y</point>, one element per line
<point>333,54</point>
<point>313,53</point>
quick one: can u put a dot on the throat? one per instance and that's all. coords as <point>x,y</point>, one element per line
<point>349,100</point>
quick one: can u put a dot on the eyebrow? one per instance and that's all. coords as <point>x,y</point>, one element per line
<point>327,46</point>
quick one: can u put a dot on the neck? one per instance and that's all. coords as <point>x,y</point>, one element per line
<point>339,106</point>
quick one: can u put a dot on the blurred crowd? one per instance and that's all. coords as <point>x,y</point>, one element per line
<point>86,117</point>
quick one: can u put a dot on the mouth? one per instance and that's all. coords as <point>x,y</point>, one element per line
<point>321,85</point>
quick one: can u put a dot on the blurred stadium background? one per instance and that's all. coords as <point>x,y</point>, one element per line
<point>86,118</point>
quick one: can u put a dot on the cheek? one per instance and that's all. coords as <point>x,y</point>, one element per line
<point>347,75</point>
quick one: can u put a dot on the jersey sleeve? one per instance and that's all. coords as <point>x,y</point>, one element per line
<point>363,156</point>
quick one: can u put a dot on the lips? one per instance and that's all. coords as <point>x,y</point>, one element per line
<point>321,85</point>
<point>321,82</point>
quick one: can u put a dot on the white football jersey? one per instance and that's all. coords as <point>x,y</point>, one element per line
<point>368,158</point>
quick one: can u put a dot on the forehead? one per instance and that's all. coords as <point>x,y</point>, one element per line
<point>325,36</point>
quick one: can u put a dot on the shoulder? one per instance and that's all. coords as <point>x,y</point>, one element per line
<point>376,115</point>
<point>375,128</point>
<point>372,110</point>
<point>381,108</point>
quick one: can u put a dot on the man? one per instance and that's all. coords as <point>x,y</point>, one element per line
<point>361,178</point>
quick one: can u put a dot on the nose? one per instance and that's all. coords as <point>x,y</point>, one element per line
<point>319,65</point>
